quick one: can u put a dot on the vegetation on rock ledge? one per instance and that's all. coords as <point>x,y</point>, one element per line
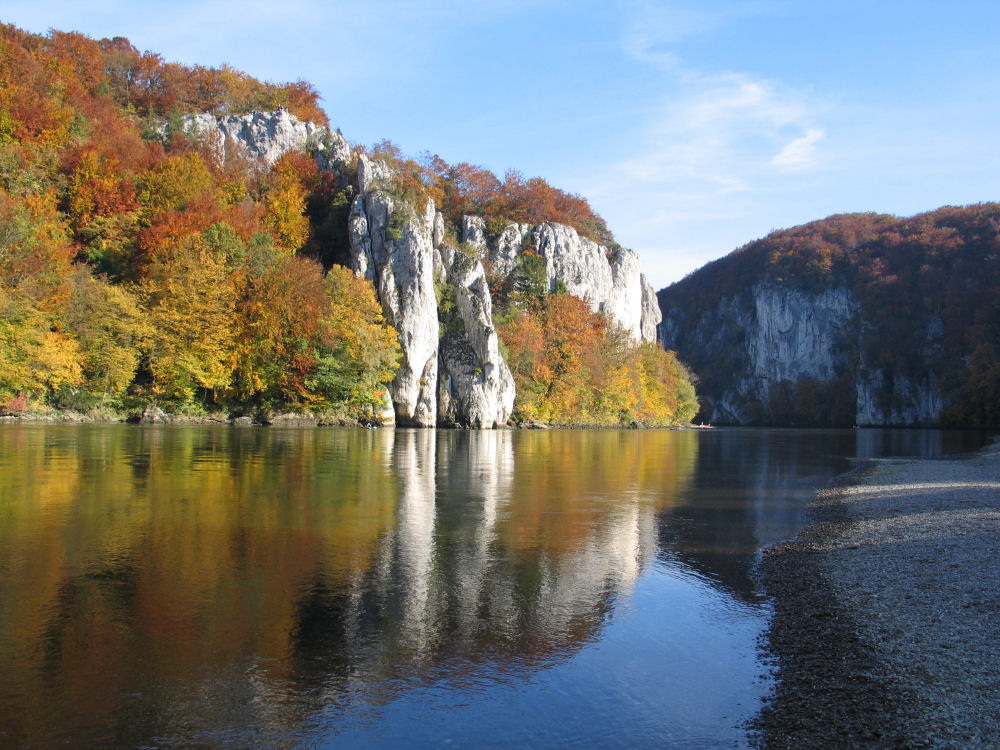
<point>573,366</point>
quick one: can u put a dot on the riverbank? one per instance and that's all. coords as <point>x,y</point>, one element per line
<point>887,611</point>
<point>155,415</point>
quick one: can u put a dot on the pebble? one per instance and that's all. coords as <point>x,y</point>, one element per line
<point>882,633</point>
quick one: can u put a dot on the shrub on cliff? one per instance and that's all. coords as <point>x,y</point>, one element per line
<point>572,366</point>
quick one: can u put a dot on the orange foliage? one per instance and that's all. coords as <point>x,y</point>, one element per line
<point>571,366</point>
<point>466,189</point>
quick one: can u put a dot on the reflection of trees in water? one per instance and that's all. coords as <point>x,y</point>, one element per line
<point>195,567</point>
<point>507,548</point>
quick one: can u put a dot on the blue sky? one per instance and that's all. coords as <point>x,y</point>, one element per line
<point>692,127</point>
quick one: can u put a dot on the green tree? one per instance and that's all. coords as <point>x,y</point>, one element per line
<point>112,330</point>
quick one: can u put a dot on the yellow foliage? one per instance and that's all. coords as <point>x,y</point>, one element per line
<point>286,213</point>
<point>191,306</point>
<point>34,358</point>
<point>56,361</point>
<point>173,183</point>
<point>111,329</point>
<point>36,355</point>
<point>356,322</point>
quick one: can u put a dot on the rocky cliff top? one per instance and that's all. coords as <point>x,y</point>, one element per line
<point>608,278</point>
<point>269,135</point>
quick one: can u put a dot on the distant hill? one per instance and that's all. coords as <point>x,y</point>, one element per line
<point>855,319</point>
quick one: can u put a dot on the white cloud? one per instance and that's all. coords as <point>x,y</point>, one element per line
<point>653,26</point>
<point>800,153</point>
<point>712,152</point>
<point>714,132</point>
<point>722,134</point>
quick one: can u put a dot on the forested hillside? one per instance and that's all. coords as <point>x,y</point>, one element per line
<point>138,264</point>
<point>918,311</point>
<point>137,267</point>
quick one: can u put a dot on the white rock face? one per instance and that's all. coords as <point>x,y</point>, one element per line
<point>458,378</point>
<point>651,315</point>
<point>268,135</point>
<point>372,174</point>
<point>608,279</point>
<point>401,267</point>
<point>475,387</point>
<point>751,342</point>
<point>795,335</point>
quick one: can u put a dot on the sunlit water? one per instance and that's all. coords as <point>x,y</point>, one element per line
<point>222,587</point>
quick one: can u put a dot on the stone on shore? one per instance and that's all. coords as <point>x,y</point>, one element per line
<point>887,611</point>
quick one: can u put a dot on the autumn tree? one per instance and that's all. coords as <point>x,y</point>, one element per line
<point>359,352</point>
<point>291,179</point>
<point>37,355</point>
<point>572,366</point>
<point>307,339</point>
<point>112,331</point>
<point>191,305</point>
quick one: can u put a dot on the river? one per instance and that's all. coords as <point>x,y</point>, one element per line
<point>268,587</point>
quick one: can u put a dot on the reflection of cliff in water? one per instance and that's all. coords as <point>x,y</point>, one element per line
<point>508,548</point>
<point>165,582</point>
<point>752,488</point>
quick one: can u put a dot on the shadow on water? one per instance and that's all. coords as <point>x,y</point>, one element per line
<point>752,487</point>
<point>228,587</point>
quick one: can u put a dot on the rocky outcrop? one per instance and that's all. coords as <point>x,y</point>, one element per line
<point>392,247</point>
<point>897,401</point>
<point>452,371</point>
<point>651,315</point>
<point>475,386</point>
<point>608,278</point>
<point>792,335</point>
<point>268,135</point>
<point>754,348</point>
<point>435,295</point>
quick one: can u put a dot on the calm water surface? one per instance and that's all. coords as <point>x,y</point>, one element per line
<point>220,587</point>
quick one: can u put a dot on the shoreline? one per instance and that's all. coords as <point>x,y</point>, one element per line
<point>156,416</point>
<point>887,611</point>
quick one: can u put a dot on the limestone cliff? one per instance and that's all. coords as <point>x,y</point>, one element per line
<point>452,371</point>
<point>608,278</point>
<point>762,353</point>
<point>475,386</point>
<point>432,291</point>
<point>268,135</point>
<point>399,261</point>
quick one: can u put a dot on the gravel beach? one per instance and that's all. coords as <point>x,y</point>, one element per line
<point>887,611</point>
